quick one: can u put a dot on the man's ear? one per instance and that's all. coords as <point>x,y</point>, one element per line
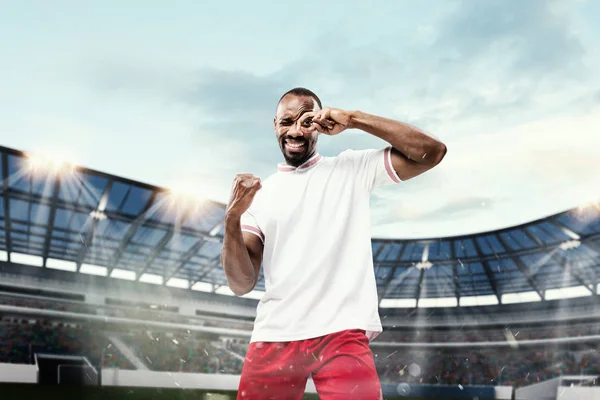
<point>275,123</point>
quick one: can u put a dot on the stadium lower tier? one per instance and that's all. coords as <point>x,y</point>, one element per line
<point>182,353</point>
<point>515,366</point>
<point>20,340</point>
<point>393,335</point>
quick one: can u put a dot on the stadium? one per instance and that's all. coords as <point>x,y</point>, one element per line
<point>111,287</point>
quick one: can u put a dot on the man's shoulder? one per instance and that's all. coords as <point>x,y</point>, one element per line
<point>354,154</point>
<point>359,152</point>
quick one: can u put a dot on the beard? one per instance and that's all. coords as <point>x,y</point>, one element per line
<point>296,151</point>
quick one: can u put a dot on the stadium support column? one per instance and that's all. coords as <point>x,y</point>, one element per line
<point>488,271</point>
<point>210,267</point>
<point>524,270</point>
<point>5,192</point>
<point>391,280</point>
<point>563,262</point>
<point>147,210</point>
<point>90,233</point>
<point>419,287</point>
<point>586,240</point>
<point>455,274</point>
<point>185,258</point>
<point>176,228</point>
<point>382,290</point>
<point>51,217</point>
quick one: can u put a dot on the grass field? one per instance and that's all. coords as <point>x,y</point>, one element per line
<point>15,391</point>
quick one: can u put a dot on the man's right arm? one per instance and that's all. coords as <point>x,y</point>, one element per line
<point>241,257</point>
<point>242,252</point>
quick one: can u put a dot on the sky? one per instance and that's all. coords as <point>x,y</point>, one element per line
<point>184,92</point>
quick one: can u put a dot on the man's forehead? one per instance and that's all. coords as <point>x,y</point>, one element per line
<point>291,106</point>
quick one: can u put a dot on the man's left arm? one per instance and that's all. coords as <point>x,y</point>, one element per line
<point>413,151</point>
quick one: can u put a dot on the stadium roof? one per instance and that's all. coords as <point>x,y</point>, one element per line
<point>53,215</point>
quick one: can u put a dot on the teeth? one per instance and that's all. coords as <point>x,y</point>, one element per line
<point>295,145</point>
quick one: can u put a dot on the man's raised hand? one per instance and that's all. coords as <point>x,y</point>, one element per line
<point>244,189</point>
<point>331,121</point>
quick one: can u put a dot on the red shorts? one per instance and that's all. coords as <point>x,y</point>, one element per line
<point>341,365</point>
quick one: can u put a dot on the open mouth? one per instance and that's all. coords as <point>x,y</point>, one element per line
<point>294,146</point>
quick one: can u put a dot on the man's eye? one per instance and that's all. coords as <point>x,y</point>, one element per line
<point>308,122</point>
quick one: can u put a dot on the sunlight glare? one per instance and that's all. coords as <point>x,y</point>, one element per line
<point>39,163</point>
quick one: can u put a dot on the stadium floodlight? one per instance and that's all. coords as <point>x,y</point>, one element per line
<point>591,201</point>
<point>215,230</point>
<point>38,163</point>
<point>571,234</point>
<point>184,191</point>
<point>570,244</point>
<point>98,215</point>
<point>424,265</point>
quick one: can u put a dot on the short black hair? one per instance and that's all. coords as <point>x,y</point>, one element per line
<point>300,91</point>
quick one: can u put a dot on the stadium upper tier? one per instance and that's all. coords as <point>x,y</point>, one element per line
<point>54,215</point>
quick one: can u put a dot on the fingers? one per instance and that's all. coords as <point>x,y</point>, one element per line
<point>307,117</point>
<point>244,189</point>
<point>250,183</point>
<point>306,122</point>
<point>324,122</point>
<point>324,126</point>
<point>247,181</point>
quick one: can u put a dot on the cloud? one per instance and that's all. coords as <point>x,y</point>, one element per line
<point>250,96</point>
<point>535,36</point>
<point>476,77</point>
<point>452,210</point>
<point>530,171</point>
<point>488,60</point>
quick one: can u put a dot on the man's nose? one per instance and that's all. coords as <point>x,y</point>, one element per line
<point>295,130</point>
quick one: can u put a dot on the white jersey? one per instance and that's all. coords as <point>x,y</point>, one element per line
<point>314,222</point>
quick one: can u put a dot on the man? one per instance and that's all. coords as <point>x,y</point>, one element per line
<point>308,225</point>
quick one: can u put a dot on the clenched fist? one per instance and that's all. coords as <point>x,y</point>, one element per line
<point>244,188</point>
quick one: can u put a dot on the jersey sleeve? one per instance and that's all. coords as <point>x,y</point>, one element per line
<point>249,224</point>
<point>374,167</point>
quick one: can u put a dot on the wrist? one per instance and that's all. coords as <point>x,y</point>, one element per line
<point>356,119</point>
<point>232,219</point>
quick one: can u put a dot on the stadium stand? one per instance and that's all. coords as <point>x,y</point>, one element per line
<point>20,339</point>
<point>128,275</point>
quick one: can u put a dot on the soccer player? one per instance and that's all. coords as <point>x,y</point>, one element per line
<point>308,225</point>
